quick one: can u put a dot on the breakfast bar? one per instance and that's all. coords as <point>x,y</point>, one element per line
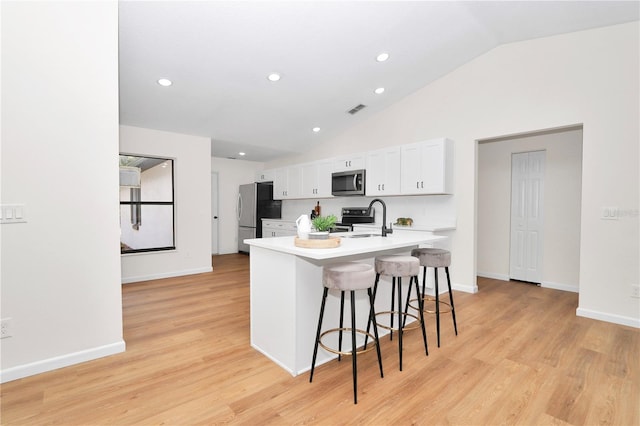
<point>286,289</point>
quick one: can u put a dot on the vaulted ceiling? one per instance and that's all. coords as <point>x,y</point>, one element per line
<point>218,55</point>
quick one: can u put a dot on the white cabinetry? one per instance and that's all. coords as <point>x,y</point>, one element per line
<point>427,167</point>
<point>351,162</point>
<point>265,176</point>
<point>383,171</point>
<point>278,228</point>
<point>286,184</point>
<point>316,179</point>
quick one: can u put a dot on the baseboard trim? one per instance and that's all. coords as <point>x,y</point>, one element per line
<point>613,318</point>
<point>465,287</point>
<point>61,361</point>
<point>127,280</point>
<point>501,277</point>
<point>560,286</point>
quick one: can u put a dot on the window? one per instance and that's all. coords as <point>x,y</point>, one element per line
<point>146,204</point>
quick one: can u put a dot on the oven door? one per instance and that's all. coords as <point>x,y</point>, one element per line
<point>348,183</point>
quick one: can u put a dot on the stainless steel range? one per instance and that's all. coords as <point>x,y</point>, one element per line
<point>354,215</point>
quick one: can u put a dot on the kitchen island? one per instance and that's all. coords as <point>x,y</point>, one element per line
<point>286,290</point>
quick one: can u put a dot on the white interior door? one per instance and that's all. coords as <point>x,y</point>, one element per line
<point>214,213</point>
<point>527,197</point>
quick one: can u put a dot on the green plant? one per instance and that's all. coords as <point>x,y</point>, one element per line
<point>324,223</point>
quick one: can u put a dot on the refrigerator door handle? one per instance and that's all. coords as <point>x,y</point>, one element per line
<point>239,210</point>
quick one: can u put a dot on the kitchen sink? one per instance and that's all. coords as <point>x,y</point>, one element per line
<point>361,236</point>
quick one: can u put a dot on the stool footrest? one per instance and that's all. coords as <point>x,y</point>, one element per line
<point>431,299</point>
<point>338,352</point>
<point>406,327</point>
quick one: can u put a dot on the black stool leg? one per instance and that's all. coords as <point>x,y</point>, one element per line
<point>399,319</point>
<point>421,309</point>
<point>341,324</point>
<point>453,310</point>
<point>435,271</point>
<point>375,290</point>
<point>372,318</point>
<point>353,348</point>
<point>315,347</point>
<point>393,289</point>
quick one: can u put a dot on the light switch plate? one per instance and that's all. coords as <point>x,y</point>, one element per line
<point>610,213</point>
<point>12,213</point>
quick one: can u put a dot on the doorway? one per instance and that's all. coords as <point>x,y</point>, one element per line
<point>214,213</point>
<point>560,261</point>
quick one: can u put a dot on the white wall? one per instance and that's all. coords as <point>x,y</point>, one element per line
<point>192,198</point>
<point>60,270</point>
<point>563,189</point>
<point>231,174</point>
<point>589,78</point>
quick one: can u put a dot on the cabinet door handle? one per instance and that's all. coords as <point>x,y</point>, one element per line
<point>417,185</point>
<point>383,186</point>
<point>378,187</point>
<point>422,184</point>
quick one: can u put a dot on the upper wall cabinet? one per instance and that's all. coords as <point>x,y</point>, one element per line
<point>383,171</point>
<point>316,179</point>
<point>287,183</point>
<point>349,162</point>
<point>265,176</point>
<point>427,167</point>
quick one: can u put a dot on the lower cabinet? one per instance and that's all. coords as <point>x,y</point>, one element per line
<point>278,228</point>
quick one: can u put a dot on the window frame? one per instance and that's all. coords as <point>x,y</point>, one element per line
<point>141,203</point>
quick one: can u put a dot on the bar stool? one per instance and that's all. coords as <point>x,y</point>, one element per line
<point>348,276</point>
<point>398,266</point>
<point>436,258</point>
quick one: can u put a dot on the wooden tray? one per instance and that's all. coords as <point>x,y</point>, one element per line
<point>331,242</point>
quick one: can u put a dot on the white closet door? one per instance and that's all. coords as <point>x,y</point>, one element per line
<point>527,208</point>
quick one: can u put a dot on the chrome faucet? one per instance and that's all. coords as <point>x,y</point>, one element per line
<point>385,231</point>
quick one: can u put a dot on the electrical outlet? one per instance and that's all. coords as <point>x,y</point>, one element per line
<point>635,290</point>
<point>5,328</point>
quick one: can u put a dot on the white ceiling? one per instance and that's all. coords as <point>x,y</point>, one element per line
<point>218,55</point>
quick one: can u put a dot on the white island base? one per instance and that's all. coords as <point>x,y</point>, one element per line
<point>286,291</point>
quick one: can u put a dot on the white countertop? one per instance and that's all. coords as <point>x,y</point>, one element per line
<point>348,246</point>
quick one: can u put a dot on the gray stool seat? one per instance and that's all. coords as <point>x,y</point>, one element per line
<point>436,258</point>
<point>432,257</point>
<point>397,267</point>
<point>348,276</point>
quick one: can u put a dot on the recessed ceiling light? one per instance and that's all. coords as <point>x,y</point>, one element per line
<point>316,129</point>
<point>382,57</point>
<point>273,77</point>
<point>379,90</point>
<point>242,153</point>
<point>165,82</point>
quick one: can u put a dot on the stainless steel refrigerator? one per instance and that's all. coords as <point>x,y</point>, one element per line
<point>255,202</point>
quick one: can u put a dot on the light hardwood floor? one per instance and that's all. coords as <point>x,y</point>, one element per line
<point>521,357</point>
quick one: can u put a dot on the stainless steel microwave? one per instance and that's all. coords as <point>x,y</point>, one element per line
<point>348,183</point>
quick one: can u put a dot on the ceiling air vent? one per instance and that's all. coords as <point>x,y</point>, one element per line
<point>356,109</point>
